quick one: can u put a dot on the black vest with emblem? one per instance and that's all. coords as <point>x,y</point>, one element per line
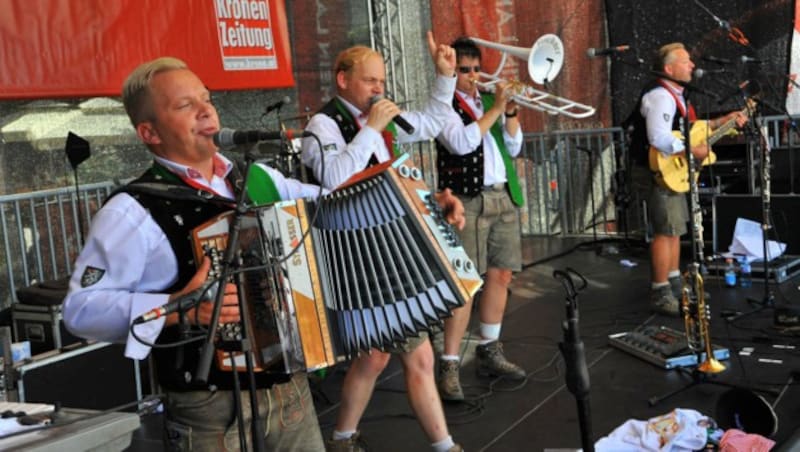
<point>177,218</point>
<point>463,174</point>
<point>637,126</point>
<point>347,127</point>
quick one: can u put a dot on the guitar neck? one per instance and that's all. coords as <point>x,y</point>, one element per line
<point>720,131</point>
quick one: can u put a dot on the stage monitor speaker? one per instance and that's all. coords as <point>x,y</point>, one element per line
<point>727,209</point>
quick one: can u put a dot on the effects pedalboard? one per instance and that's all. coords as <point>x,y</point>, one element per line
<point>663,346</point>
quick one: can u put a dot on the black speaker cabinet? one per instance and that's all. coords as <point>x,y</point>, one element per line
<point>785,211</point>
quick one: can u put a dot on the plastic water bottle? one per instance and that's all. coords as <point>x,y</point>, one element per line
<point>745,273</point>
<point>730,273</point>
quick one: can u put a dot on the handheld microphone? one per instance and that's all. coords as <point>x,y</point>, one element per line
<point>713,59</point>
<point>277,105</point>
<point>398,120</point>
<point>591,52</point>
<point>746,59</point>
<point>226,138</point>
<point>208,291</point>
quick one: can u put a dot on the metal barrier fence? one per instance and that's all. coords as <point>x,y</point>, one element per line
<point>568,179</point>
<point>566,175</point>
<point>42,233</point>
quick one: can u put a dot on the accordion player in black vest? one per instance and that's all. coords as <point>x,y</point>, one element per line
<point>138,257</point>
<point>475,152</point>
<point>357,129</point>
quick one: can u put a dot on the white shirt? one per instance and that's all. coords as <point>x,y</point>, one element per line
<point>658,109</point>
<point>137,264</point>
<point>461,140</point>
<point>342,160</point>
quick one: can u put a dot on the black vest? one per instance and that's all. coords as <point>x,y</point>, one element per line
<point>463,174</point>
<point>347,127</point>
<point>177,217</point>
<point>636,124</point>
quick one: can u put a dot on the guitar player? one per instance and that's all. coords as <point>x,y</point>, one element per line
<point>658,114</point>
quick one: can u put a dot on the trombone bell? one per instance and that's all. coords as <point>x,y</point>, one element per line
<point>544,59</point>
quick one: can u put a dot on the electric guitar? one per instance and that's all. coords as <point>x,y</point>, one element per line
<point>672,172</point>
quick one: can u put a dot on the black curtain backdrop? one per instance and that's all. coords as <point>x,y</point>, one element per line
<point>646,25</point>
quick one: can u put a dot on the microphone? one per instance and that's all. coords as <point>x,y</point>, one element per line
<point>741,90</point>
<point>713,59</point>
<point>226,138</point>
<point>398,120</point>
<point>746,59</point>
<point>208,291</point>
<point>277,105</point>
<point>591,52</point>
<point>699,73</point>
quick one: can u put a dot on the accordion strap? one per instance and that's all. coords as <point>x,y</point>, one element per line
<point>172,192</point>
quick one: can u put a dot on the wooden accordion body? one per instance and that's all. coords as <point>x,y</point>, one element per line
<point>366,266</point>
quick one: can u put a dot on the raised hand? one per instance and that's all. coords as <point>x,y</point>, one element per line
<point>444,56</point>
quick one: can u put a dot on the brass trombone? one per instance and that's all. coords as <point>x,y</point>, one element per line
<point>544,60</point>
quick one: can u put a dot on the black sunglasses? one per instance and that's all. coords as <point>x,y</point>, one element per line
<point>467,69</point>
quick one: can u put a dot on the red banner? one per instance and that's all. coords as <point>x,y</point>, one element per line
<point>78,48</point>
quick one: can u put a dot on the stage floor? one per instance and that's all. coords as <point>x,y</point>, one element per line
<point>541,413</point>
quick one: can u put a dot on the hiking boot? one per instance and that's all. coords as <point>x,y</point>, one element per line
<point>352,444</point>
<point>492,363</point>
<point>449,384</point>
<point>676,285</point>
<point>663,302</point>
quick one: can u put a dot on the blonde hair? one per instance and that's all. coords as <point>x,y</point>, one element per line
<point>136,89</point>
<point>666,54</point>
<point>348,58</point>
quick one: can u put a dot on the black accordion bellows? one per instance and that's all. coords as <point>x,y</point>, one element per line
<point>382,281</point>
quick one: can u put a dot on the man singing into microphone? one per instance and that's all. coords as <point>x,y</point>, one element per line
<point>138,256</point>
<point>658,114</point>
<point>356,130</point>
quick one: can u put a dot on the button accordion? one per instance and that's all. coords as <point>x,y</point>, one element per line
<point>366,266</point>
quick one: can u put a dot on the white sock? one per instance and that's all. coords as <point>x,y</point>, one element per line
<point>449,357</point>
<point>347,434</point>
<point>674,274</point>
<point>658,285</point>
<point>490,332</point>
<point>443,445</point>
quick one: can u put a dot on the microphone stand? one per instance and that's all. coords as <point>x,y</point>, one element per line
<point>768,300</point>
<point>243,342</point>
<point>577,376</point>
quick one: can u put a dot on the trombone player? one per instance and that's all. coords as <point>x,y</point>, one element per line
<point>475,148</point>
